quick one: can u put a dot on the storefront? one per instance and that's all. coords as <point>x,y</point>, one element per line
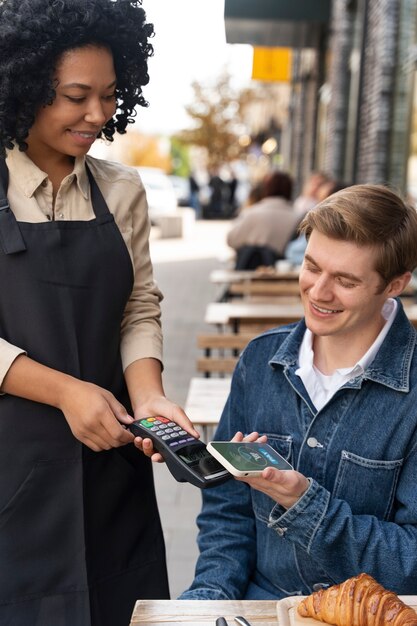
<point>353,109</point>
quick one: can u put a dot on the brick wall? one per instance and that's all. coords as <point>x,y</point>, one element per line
<point>341,35</point>
<point>376,106</point>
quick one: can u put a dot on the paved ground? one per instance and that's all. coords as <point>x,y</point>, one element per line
<point>182,268</point>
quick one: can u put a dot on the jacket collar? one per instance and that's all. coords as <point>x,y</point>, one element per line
<point>391,366</point>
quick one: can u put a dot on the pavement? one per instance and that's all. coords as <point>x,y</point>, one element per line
<point>181,268</point>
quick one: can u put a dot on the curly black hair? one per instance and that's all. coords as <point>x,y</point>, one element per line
<point>35,33</point>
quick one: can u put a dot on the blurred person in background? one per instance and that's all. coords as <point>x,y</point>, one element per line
<point>309,196</point>
<point>80,331</point>
<point>294,252</point>
<point>256,193</point>
<point>261,232</point>
<point>217,196</point>
<point>230,199</point>
<point>194,195</point>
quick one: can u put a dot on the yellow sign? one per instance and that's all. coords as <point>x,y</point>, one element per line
<point>272,64</point>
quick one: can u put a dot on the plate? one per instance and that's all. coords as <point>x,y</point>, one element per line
<point>287,613</point>
<point>288,616</point>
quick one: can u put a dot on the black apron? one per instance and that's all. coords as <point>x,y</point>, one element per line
<point>80,535</point>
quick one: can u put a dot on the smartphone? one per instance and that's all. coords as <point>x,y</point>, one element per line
<point>247,458</point>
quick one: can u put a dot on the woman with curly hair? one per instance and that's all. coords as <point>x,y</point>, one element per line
<point>80,335</point>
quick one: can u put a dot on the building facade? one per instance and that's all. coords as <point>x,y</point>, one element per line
<point>353,109</point>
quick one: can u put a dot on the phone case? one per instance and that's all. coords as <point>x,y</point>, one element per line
<point>231,468</point>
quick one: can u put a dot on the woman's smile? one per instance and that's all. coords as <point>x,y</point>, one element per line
<point>84,137</point>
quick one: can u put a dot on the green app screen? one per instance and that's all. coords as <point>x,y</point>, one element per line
<point>251,456</point>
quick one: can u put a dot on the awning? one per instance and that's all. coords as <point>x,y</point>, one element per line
<point>288,23</point>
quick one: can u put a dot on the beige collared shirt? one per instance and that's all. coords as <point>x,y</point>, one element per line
<point>31,200</point>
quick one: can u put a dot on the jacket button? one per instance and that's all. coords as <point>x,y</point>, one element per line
<point>312,442</point>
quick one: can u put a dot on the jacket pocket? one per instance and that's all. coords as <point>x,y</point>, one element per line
<point>263,504</point>
<point>41,533</point>
<point>367,485</point>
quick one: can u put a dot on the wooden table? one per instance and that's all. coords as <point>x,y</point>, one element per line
<point>264,288</point>
<point>203,612</point>
<point>411,312</point>
<point>267,315</point>
<point>237,276</point>
<point>228,276</point>
<point>205,401</point>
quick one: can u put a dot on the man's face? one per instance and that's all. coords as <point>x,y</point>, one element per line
<point>339,289</point>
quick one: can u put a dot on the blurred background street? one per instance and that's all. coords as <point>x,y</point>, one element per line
<point>181,268</point>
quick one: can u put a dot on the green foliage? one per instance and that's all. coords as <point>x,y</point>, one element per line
<point>180,158</point>
<point>218,115</point>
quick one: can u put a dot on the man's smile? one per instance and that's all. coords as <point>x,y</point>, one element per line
<point>323,310</point>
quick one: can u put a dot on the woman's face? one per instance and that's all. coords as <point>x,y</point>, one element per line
<point>85,101</point>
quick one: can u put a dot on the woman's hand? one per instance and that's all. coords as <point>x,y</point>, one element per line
<point>94,415</point>
<point>144,382</point>
<point>160,405</point>
<point>283,486</point>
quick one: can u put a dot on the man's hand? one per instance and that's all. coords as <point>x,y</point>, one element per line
<point>249,438</point>
<point>283,486</point>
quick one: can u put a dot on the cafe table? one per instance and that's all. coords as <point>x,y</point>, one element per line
<point>237,314</point>
<point>205,401</point>
<point>228,276</point>
<point>267,289</point>
<point>241,314</point>
<point>259,278</point>
<point>203,612</point>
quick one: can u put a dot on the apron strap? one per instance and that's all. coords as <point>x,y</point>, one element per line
<point>99,204</point>
<point>11,239</point>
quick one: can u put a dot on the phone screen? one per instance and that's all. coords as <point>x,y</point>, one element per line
<point>250,456</point>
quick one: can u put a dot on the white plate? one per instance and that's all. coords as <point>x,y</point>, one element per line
<point>285,612</point>
<point>288,616</point>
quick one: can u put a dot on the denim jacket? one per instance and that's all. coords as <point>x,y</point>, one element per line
<point>359,451</point>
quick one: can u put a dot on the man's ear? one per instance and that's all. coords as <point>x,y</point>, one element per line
<point>398,284</point>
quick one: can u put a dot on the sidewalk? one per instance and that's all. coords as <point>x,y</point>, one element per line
<point>182,268</point>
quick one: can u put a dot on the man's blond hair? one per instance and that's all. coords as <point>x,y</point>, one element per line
<point>370,215</point>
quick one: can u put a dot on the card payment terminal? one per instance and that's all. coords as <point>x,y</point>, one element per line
<point>186,457</point>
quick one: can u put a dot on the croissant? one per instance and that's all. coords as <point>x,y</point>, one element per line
<point>359,601</point>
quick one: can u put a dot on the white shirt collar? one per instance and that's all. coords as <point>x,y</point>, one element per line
<point>320,387</point>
